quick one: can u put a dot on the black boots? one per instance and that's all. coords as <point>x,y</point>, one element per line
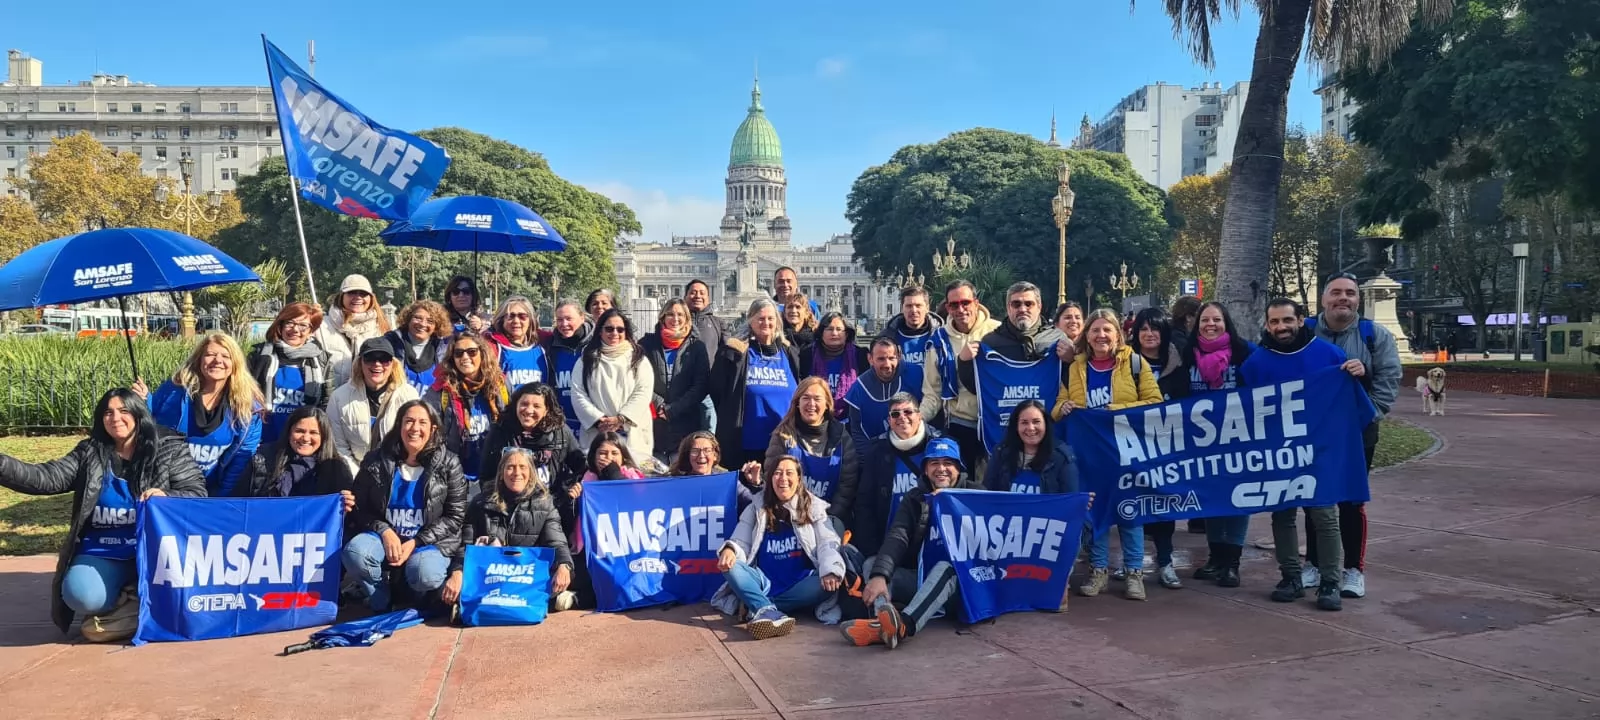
<point>1328,595</point>
<point>1213,567</point>
<point>1289,588</point>
<point>1228,576</point>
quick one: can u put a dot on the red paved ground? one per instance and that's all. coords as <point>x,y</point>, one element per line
<point>1484,578</point>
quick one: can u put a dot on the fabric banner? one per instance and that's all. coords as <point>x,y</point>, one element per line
<point>1002,384</point>
<point>655,540</point>
<point>505,585</point>
<point>1012,552</point>
<point>344,161</point>
<point>1236,452</point>
<point>221,567</point>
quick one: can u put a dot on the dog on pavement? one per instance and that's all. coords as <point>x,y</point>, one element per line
<point>1431,387</point>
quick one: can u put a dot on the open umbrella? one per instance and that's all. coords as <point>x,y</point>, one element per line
<point>115,263</point>
<point>476,223</point>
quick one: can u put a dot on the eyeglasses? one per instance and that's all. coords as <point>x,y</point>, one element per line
<point>897,414</point>
<point>614,330</point>
<point>463,290</point>
<point>467,352</point>
<point>701,452</point>
<point>358,293</point>
<point>301,326</point>
<point>517,316</point>
<point>960,303</point>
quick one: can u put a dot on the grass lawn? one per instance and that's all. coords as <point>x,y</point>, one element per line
<point>1399,442</point>
<point>31,524</point>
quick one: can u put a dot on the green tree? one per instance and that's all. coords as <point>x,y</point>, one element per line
<point>239,301</point>
<point>1197,205</point>
<point>989,276</point>
<point>1355,32</point>
<point>991,190</point>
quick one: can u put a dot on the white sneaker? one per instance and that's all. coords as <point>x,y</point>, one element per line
<point>1169,577</point>
<point>1310,577</point>
<point>1355,584</point>
<point>563,601</point>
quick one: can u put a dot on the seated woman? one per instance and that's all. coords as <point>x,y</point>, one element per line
<point>536,424</point>
<point>518,512</point>
<point>302,462</point>
<point>215,403</point>
<point>782,558</point>
<point>810,433</point>
<point>411,499</point>
<point>609,459</point>
<point>1029,459</point>
<point>701,454</point>
<point>126,458</point>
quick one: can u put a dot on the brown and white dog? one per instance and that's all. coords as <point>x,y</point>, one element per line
<point>1431,388</point>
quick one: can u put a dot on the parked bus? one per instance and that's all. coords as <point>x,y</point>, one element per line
<point>92,322</point>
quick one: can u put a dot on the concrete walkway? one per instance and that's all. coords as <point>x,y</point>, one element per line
<point>1484,585</point>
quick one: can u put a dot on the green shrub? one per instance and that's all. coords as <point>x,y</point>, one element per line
<point>52,382</point>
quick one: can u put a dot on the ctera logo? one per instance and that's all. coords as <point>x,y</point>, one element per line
<point>653,565</point>
<point>219,602</point>
<point>1274,492</point>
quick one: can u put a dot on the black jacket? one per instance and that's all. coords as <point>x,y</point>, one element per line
<point>1013,344</point>
<point>327,478</point>
<point>706,328</point>
<point>842,505</point>
<point>1060,474</point>
<point>910,528</point>
<point>557,458</point>
<point>1175,384</point>
<point>876,487</point>
<point>678,403</point>
<point>727,391</point>
<point>446,493</point>
<point>533,522</point>
<point>80,472</point>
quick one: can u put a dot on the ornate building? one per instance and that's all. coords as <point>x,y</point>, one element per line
<point>753,242</point>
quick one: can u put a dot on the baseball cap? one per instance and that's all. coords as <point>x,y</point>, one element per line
<point>355,282</point>
<point>943,448</point>
<point>376,346</point>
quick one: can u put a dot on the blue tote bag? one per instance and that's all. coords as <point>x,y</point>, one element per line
<point>505,585</point>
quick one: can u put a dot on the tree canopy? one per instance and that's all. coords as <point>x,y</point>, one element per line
<point>991,190</point>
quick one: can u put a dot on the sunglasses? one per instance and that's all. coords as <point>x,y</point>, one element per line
<point>461,291</point>
<point>897,414</point>
<point>467,352</point>
<point>1019,304</point>
<point>614,330</point>
<point>517,316</point>
<point>376,359</point>
<point>960,303</point>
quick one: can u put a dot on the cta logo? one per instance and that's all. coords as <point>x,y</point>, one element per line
<point>1274,492</point>
<point>286,600</point>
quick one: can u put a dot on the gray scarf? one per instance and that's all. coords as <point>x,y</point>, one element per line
<point>309,356</point>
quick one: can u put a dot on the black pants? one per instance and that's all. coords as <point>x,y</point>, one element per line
<point>1161,534</point>
<point>1352,518</point>
<point>972,452</point>
<point>581,585</point>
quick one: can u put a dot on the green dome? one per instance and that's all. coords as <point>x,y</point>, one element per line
<point>756,141</point>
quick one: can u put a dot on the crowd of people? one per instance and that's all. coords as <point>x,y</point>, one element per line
<point>449,426</point>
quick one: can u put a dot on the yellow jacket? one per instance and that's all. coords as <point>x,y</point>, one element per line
<point>1124,393</point>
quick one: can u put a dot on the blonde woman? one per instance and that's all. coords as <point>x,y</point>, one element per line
<point>215,404</point>
<point>799,322</point>
<point>353,318</point>
<point>752,382</point>
<point>363,410</point>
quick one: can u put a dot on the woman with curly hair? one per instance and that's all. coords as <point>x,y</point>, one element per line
<point>471,394</point>
<point>419,342</point>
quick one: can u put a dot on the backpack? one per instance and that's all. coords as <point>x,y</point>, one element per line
<point>1363,325</point>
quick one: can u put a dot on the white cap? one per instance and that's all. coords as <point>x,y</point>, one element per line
<point>355,282</point>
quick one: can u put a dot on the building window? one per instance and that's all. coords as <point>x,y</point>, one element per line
<point>161,172</point>
<point>183,107</point>
<point>184,152</point>
<point>61,107</point>
<point>11,152</point>
<point>11,131</point>
<point>161,153</point>
<point>271,129</point>
<point>11,172</point>
<point>230,174</point>
<point>228,151</point>
<point>139,151</point>
<point>228,107</point>
<point>1204,133</point>
<point>228,132</point>
<point>137,107</point>
<point>113,131</point>
<point>161,108</point>
<point>11,107</point>
<point>160,133</point>
<point>1209,100</point>
<point>136,132</point>
<point>183,131</point>
<point>269,108</point>
<point>29,133</point>
<point>111,107</point>
<point>1205,120</point>
<point>1346,102</point>
<point>63,131</point>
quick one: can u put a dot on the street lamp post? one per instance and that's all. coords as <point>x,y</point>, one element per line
<point>555,293</point>
<point>412,259</point>
<point>1520,252</point>
<point>188,208</point>
<point>1061,208</point>
<point>1124,284</point>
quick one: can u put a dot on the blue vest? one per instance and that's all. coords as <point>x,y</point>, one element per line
<point>288,394</point>
<point>1097,386</point>
<point>207,450</point>
<point>112,530</point>
<point>768,387</point>
<point>565,361</point>
<point>905,478</point>
<point>873,412</point>
<point>407,503</point>
<point>821,471</point>
<point>913,349</point>
<point>1002,384</point>
<point>474,435</point>
<point>782,560</point>
<point>522,366</point>
<point>945,354</point>
<point>422,382</point>
<point>1026,480</point>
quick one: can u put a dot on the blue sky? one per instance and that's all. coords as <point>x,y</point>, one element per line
<point>639,100</point>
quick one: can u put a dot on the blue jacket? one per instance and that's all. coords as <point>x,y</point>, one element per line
<point>1060,474</point>
<point>169,406</point>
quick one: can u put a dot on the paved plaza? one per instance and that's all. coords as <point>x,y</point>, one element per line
<point>1484,602</point>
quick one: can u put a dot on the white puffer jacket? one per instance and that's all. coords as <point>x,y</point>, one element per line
<point>354,433</point>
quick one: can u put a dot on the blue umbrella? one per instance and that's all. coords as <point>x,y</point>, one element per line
<point>476,223</point>
<point>115,263</point>
<point>358,633</point>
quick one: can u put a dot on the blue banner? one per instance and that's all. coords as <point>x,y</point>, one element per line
<point>344,161</point>
<point>1012,552</point>
<point>505,585</point>
<point>221,567</point>
<point>1236,452</point>
<point>655,540</point>
<point>1002,385</point>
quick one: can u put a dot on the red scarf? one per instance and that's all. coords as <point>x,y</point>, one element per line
<point>671,343</point>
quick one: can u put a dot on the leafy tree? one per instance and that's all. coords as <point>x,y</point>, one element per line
<point>79,185</point>
<point>1197,202</point>
<point>20,228</point>
<point>239,301</point>
<point>991,190</point>
<point>989,276</point>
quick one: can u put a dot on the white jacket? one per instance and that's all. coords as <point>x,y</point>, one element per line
<point>619,391</point>
<point>341,342</point>
<point>354,433</point>
<point>817,538</point>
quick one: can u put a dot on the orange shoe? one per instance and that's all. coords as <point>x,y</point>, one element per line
<point>861,633</point>
<point>890,628</point>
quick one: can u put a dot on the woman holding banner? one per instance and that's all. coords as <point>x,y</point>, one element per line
<point>1151,336</point>
<point>302,462</point>
<point>1029,459</point>
<point>518,512</point>
<point>364,409</point>
<point>471,395</point>
<point>810,433</point>
<point>782,558</point>
<point>290,368</point>
<point>752,381</point>
<point>612,385</point>
<point>1102,377</point>
<point>701,454</point>
<point>353,319</point>
<point>515,335</point>
<point>608,459</point>
<point>1211,364</point>
<point>537,425</point>
<point>215,403</point>
<point>127,458</point>
<point>411,500</point>
<point>419,342</point>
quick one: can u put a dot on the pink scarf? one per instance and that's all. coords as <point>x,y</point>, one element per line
<point>1212,357</point>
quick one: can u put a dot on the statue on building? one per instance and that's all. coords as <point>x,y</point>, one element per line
<point>752,210</point>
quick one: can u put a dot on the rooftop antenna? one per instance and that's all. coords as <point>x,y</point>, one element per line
<point>311,57</point>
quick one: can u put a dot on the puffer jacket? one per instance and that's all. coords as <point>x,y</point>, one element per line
<point>1060,474</point>
<point>1126,390</point>
<point>910,527</point>
<point>80,472</point>
<point>531,522</point>
<point>676,406</point>
<point>446,493</point>
<point>557,458</point>
<point>875,489</point>
<point>817,539</point>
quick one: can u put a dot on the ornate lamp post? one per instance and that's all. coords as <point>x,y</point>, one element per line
<point>412,259</point>
<point>1061,208</point>
<point>555,293</point>
<point>1125,283</point>
<point>188,207</point>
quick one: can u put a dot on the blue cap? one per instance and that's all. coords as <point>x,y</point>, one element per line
<point>943,448</point>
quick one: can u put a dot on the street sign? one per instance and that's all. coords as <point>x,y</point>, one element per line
<point>1577,285</point>
<point>1191,286</point>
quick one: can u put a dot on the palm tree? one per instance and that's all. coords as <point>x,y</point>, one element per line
<point>1345,32</point>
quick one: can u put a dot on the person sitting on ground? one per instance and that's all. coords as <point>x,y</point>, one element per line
<point>215,403</point>
<point>827,454</point>
<point>1029,459</point>
<point>518,512</point>
<point>783,557</point>
<point>608,459</point>
<point>126,459</point>
<point>890,473</point>
<point>535,424</point>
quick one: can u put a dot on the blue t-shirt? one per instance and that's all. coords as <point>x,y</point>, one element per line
<point>112,530</point>
<point>288,394</point>
<point>1097,387</point>
<point>670,356</point>
<point>821,472</point>
<point>407,501</point>
<point>833,372</point>
<point>782,560</point>
<point>768,387</point>
<point>522,366</point>
<point>1026,481</point>
<point>913,349</point>
<point>565,361</point>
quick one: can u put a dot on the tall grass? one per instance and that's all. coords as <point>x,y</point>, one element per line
<point>50,382</point>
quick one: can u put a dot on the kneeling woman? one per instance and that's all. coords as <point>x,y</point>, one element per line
<point>783,557</point>
<point>302,462</point>
<point>1029,459</point>
<point>215,403</point>
<point>518,512</point>
<point>126,458</point>
<point>411,499</point>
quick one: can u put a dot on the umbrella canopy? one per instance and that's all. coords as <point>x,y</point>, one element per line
<point>358,633</point>
<point>116,262</point>
<point>475,223</point>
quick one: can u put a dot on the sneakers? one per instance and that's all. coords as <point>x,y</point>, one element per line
<point>1355,584</point>
<point>1135,588</point>
<point>1169,577</point>
<point>1310,576</point>
<point>563,601</point>
<point>768,622</point>
<point>862,633</point>
<point>890,627</point>
<point>1098,580</point>
<point>1328,596</point>
<point>1289,589</point>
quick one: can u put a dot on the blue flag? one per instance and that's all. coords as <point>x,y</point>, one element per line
<point>221,567</point>
<point>344,161</point>
<point>1002,384</point>
<point>655,540</point>
<point>1236,452</point>
<point>1012,552</point>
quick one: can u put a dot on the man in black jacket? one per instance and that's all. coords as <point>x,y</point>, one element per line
<point>889,472</point>
<point>1023,337</point>
<point>909,541</point>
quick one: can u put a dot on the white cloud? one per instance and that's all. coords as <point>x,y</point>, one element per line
<point>832,67</point>
<point>661,214</point>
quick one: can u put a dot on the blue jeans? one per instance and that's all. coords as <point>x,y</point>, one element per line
<point>1132,548</point>
<point>1228,530</point>
<point>92,584</point>
<point>708,414</point>
<point>746,583</point>
<point>363,558</point>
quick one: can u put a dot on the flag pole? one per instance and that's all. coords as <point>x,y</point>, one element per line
<point>294,187</point>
